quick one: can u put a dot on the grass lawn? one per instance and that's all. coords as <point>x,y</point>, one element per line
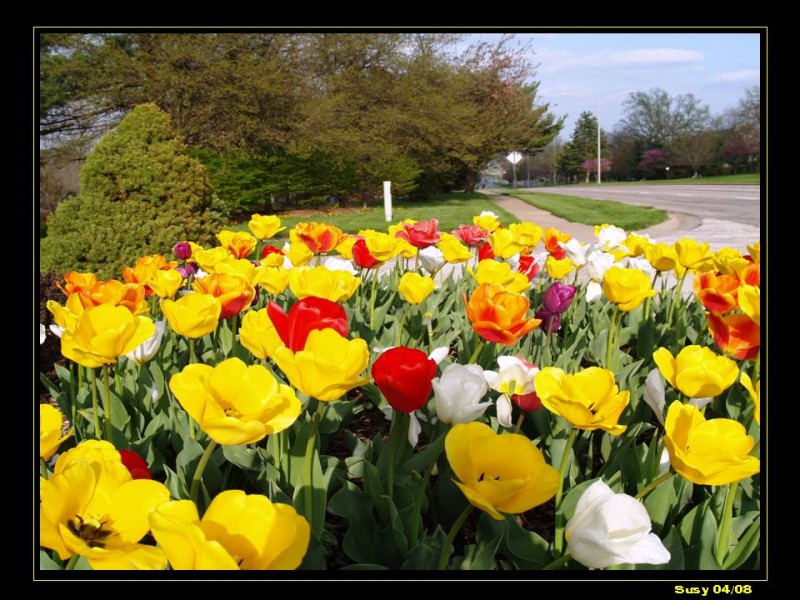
<point>596,212</point>
<point>741,179</point>
<point>450,209</point>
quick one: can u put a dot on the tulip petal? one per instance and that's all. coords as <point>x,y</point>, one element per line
<point>131,505</point>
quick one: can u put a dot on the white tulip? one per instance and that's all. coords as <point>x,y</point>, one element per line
<point>431,259</point>
<point>597,263</point>
<point>42,334</point>
<point>654,393</point>
<point>514,376</point>
<point>57,331</point>
<point>148,348</point>
<point>335,263</point>
<point>458,394</point>
<point>611,529</point>
<point>578,253</point>
<point>611,236</point>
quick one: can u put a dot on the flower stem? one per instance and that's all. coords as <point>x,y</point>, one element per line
<point>191,362</point>
<point>562,471</point>
<point>95,409</point>
<point>107,403</point>
<point>610,340</point>
<point>396,435</point>
<point>653,485</point>
<point>43,469</point>
<point>192,359</point>
<point>649,299</point>
<point>373,293</point>
<point>417,516</point>
<point>451,536</point>
<point>308,465</point>
<point>724,534</point>
<point>398,338</point>
<point>558,562</point>
<point>71,562</point>
<point>201,466</point>
<point>477,352</point>
<point>677,298</point>
<point>757,366</point>
<point>519,422</point>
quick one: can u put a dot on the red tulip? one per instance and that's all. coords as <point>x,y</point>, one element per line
<point>421,234</point>
<point>404,376</point>
<point>304,317</point>
<point>528,267</point>
<point>362,256</point>
<point>135,464</point>
<point>485,251</point>
<point>736,335</point>
<point>471,235</point>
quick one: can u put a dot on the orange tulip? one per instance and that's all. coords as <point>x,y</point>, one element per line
<point>499,316</point>
<point>234,293</point>
<point>717,292</point>
<point>239,244</point>
<point>77,282</point>
<point>144,269</point>
<point>116,293</point>
<point>736,335</point>
<point>319,237</point>
<point>751,274</point>
<point>551,238</point>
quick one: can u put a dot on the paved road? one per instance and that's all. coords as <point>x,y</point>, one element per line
<point>734,203</point>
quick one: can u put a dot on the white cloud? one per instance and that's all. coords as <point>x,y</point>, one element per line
<point>551,61</point>
<point>735,76</point>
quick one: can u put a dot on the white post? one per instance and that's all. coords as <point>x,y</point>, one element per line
<point>387,200</point>
<point>598,141</point>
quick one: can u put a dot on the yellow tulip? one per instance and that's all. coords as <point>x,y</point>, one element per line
<point>144,269</point>
<point>505,243</point>
<point>528,234</point>
<point>275,279</point>
<point>637,244</point>
<point>558,269</point>
<point>452,249</point>
<point>589,399</point>
<point>755,394</point>
<point>104,333</point>
<point>233,403</point>
<point>502,473</point>
<point>415,287</point>
<point>713,452</point>
<point>328,366</point>
<point>382,246</point>
<point>750,302</point>
<point>486,220</point>
<point>697,371</point>
<point>258,334</point>
<point>192,315</point>
<point>335,286</point>
<point>66,317</point>
<point>755,251</point>
<point>208,259</point>
<point>264,226</point>
<point>319,237</point>
<point>87,451</point>
<point>237,531</point>
<point>299,254</point>
<point>239,244</point>
<point>51,422</point>
<point>627,288</point>
<point>93,507</point>
<point>241,268</point>
<point>500,273</point>
<point>345,247</point>
<point>694,255</point>
<point>165,283</point>
<point>661,256</point>
<point>729,261</point>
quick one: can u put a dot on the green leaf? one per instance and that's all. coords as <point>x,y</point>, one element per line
<point>241,456</point>
<point>364,567</point>
<point>659,503</point>
<point>425,556</point>
<point>529,549</point>
<point>488,536</point>
<point>698,531</point>
<point>747,544</point>
<point>318,490</point>
<point>46,563</point>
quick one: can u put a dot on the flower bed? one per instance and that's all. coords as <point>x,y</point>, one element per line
<point>219,411</point>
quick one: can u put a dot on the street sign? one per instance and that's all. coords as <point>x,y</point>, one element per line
<point>514,157</point>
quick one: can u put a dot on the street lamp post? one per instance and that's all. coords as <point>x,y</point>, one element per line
<point>599,150</point>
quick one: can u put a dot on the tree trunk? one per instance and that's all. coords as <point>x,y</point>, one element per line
<point>469,181</point>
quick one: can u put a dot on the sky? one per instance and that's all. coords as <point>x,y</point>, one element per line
<point>578,69</point>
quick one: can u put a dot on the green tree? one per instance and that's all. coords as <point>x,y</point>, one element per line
<point>140,193</point>
<point>582,147</point>
<point>655,118</point>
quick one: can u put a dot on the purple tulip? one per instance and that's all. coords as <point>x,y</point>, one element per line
<point>558,297</point>
<point>182,250</point>
<point>187,269</point>
<point>550,321</point>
